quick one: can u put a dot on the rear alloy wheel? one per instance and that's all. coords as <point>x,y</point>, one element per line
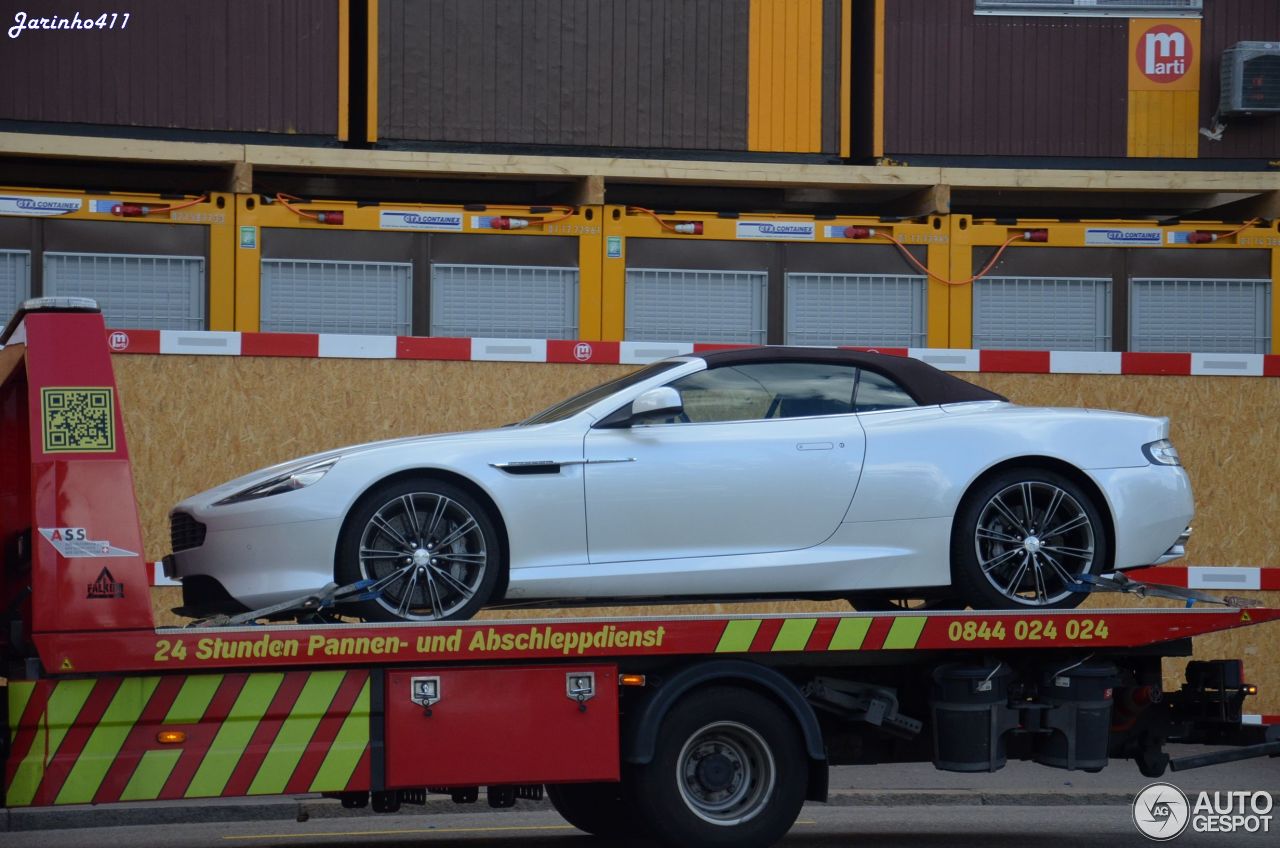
<point>1024,539</point>
<point>729,770</point>
<point>431,549</point>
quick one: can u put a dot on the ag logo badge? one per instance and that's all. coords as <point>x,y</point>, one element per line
<point>1161,811</point>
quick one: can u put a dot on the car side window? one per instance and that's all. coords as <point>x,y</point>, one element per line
<point>876,391</point>
<point>766,390</point>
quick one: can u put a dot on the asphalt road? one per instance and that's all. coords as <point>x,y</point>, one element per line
<point>866,827</point>
<point>900,805</point>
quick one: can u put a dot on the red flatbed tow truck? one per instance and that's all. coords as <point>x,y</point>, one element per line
<point>699,730</point>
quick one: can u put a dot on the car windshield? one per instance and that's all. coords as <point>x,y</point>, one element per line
<point>568,408</point>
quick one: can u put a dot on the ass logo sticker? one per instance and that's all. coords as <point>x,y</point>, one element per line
<point>74,543</point>
<point>105,587</point>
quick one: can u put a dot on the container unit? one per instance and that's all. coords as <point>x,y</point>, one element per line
<point>415,270</point>
<point>151,262</point>
<point>276,66</point>
<point>1118,286</point>
<point>975,78</point>
<point>775,279</point>
<point>714,75</point>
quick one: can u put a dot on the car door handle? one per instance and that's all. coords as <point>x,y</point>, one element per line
<point>814,446</point>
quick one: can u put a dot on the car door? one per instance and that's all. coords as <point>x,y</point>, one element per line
<point>765,457</point>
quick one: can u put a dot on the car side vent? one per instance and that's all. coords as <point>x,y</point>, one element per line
<point>1251,79</point>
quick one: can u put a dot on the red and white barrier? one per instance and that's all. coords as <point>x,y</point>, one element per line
<point>325,346</point>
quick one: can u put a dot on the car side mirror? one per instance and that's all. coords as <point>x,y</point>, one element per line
<point>663,400</point>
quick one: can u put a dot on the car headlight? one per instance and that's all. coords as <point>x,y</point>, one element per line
<point>1162,453</point>
<point>299,478</point>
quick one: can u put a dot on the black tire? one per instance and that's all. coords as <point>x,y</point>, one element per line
<point>448,572</point>
<point>729,770</point>
<point>1001,559</point>
<point>600,809</point>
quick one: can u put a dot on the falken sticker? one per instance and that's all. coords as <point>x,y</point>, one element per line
<point>105,587</point>
<point>38,207</point>
<point>1130,236</point>
<point>784,230</point>
<point>74,543</point>
<point>403,219</point>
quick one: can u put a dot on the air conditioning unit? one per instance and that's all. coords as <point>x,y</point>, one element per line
<point>1251,79</point>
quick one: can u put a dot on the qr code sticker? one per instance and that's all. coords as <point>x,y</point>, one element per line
<point>79,420</point>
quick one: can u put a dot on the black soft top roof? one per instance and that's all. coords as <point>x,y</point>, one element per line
<point>926,384</point>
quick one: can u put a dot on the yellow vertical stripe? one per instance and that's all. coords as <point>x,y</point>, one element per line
<point>959,299</point>
<point>344,69</point>
<point>784,76</point>
<point>877,85</point>
<point>248,265</point>
<point>371,88</point>
<point>1275,301</point>
<point>591,252</point>
<point>1164,124</point>
<point>613,276</point>
<point>846,77</point>
<point>222,267</point>
<point>104,742</point>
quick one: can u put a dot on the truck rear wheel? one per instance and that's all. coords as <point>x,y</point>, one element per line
<point>729,769</point>
<point>600,809</point>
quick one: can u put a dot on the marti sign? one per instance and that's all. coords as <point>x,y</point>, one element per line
<point>1164,55</point>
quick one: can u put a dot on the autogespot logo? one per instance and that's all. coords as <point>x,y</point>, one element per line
<point>1161,811</point>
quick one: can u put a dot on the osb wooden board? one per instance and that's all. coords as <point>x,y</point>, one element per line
<point>194,422</point>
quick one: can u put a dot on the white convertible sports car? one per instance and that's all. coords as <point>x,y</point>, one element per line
<point>760,472</point>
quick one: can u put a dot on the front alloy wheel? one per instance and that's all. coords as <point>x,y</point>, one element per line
<point>430,549</point>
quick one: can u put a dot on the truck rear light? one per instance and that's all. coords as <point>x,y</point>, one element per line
<point>1250,689</point>
<point>171,737</point>
<point>1036,235</point>
<point>329,217</point>
<point>502,222</point>
<point>631,679</point>
<point>129,210</point>
<point>688,228</point>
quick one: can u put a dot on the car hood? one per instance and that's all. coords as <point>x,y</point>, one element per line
<point>261,475</point>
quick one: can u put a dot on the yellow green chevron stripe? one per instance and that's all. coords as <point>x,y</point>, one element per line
<point>850,634</point>
<point>347,748</point>
<point>64,705</point>
<point>233,737</point>
<point>104,742</point>
<point>737,636</point>
<point>295,732</point>
<point>794,634</point>
<point>19,694</point>
<point>904,633</point>
<point>153,770</point>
